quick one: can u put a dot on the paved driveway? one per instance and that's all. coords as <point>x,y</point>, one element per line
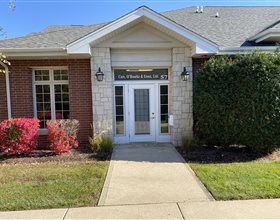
<point>149,174</point>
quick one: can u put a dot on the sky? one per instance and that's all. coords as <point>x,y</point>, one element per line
<point>35,15</point>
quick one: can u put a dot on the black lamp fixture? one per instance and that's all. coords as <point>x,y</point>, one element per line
<point>99,75</point>
<point>185,75</point>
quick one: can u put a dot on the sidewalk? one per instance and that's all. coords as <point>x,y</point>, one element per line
<point>247,209</point>
<point>150,174</point>
<point>150,182</point>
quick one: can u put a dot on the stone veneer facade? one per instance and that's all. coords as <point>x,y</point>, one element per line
<point>102,92</point>
<point>84,89</point>
<point>180,94</point>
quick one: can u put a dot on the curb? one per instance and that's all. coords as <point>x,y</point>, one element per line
<point>104,192</point>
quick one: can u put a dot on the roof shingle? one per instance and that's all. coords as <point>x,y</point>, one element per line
<point>233,26</point>
<point>231,29</point>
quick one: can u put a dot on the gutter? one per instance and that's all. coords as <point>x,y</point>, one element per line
<point>26,50</point>
<point>244,50</point>
<point>45,53</point>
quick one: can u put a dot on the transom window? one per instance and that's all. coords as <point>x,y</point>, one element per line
<point>51,94</point>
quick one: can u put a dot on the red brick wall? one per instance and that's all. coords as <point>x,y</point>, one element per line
<point>79,87</point>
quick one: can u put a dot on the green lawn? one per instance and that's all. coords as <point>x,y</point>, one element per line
<point>51,185</point>
<point>251,180</point>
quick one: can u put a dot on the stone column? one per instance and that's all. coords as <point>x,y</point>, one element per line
<point>102,92</point>
<point>181,96</point>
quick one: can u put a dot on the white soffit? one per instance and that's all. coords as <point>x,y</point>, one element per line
<point>202,45</point>
<point>141,35</point>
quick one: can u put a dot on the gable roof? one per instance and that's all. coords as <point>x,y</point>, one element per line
<point>51,37</point>
<point>146,15</point>
<point>233,27</point>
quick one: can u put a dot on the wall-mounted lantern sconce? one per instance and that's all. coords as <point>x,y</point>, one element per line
<point>99,75</point>
<point>185,75</point>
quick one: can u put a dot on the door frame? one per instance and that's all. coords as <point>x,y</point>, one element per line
<point>152,113</point>
<point>125,139</point>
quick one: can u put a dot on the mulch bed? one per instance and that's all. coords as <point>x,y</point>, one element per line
<point>40,156</point>
<point>226,155</point>
<point>201,155</point>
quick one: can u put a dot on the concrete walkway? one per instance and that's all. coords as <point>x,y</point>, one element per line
<point>150,174</point>
<point>152,182</point>
<point>248,209</point>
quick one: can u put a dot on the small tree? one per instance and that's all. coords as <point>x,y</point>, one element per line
<point>3,58</point>
<point>237,101</point>
<point>12,7</point>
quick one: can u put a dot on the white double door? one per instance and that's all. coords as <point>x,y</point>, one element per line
<point>143,116</point>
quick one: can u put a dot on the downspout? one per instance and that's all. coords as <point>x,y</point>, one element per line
<point>8,90</point>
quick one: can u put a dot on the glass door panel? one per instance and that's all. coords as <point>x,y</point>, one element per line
<point>142,111</point>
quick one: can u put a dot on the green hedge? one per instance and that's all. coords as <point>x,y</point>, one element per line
<point>237,101</point>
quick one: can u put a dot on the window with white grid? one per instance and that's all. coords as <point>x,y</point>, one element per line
<point>51,94</point>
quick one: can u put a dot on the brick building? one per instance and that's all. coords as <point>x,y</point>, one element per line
<point>131,78</point>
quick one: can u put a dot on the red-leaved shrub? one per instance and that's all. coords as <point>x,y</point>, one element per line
<point>19,135</point>
<point>62,135</point>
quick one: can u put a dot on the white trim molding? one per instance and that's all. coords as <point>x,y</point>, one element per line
<point>8,91</point>
<point>265,35</point>
<point>51,82</point>
<point>34,52</point>
<point>245,50</point>
<point>41,53</point>
<point>82,45</point>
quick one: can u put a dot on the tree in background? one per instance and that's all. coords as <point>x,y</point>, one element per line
<point>3,58</point>
<point>12,7</point>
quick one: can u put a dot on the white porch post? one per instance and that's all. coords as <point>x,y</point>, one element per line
<point>7,90</point>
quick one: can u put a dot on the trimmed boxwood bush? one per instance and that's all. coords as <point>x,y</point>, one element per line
<point>237,101</point>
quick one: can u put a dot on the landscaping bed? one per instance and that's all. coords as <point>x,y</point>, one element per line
<point>226,155</point>
<point>40,156</point>
<point>51,184</point>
